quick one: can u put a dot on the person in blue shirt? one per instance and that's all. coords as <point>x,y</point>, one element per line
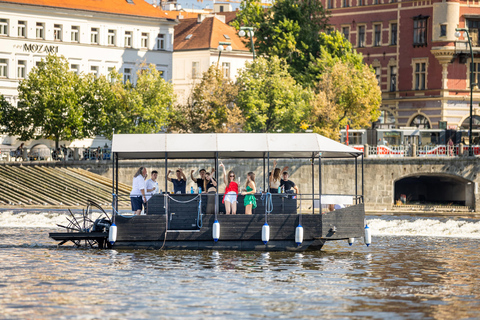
<point>180,183</point>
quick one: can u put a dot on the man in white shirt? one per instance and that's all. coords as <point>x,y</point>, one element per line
<point>152,185</point>
<point>138,193</point>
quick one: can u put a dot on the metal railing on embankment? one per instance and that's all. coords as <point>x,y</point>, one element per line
<point>384,151</point>
<point>51,154</point>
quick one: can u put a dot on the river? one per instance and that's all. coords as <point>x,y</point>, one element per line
<point>416,268</point>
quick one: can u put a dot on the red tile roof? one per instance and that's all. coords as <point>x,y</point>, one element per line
<point>138,8</point>
<point>205,35</point>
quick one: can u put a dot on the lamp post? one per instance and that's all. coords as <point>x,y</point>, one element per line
<point>457,35</point>
<point>220,48</point>
<point>250,33</point>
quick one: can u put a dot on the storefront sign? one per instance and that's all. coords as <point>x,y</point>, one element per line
<point>39,48</point>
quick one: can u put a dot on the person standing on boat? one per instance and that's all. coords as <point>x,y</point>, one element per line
<point>288,184</point>
<point>250,202</point>
<point>274,179</point>
<point>199,181</point>
<point>138,193</point>
<point>231,191</point>
<point>209,184</point>
<point>179,184</point>
<point>152,185</point>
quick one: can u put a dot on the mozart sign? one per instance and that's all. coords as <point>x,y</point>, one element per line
<point>39,48</point>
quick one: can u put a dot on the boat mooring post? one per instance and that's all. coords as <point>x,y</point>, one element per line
<point>116,180</point>
<point>320,181</point>
<point>363,199</point>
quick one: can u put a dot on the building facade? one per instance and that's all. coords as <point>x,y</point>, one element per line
<point>196,49</point>
<point>94,36</point>
<point>421,67</point>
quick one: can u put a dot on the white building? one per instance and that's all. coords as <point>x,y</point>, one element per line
<point>196,49</point>
<point>94,35</point>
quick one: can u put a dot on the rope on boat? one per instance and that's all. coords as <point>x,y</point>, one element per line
<point>268,202</point>
<point>199,214</point>
<point>115,210</point>
<point>178,201</point>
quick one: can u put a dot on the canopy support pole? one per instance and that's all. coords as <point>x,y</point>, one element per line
<point>218,184</point>
<point>116,180</point>
<point>267,177</point>
<point>313,183</point>
<point>320,181</point>
<point>356,181</point>
<point>264,176</point>
<point>166,172</point>
<point>113,187</point>
<point>363,196</point>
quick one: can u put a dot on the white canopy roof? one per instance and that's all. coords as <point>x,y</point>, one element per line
<point>228,145</point>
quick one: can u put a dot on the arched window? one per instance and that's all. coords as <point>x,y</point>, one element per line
<point>420,122</point>
<point>475,124</point>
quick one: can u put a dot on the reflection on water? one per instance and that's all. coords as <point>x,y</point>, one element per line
<point>400,277</point>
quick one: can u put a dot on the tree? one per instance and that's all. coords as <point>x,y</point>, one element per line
<point>346,95</point>
<point>211,106</point>
<point>269,97</point>
<point>48,104</point>
<point>149,102</point>
<point>289,30</point>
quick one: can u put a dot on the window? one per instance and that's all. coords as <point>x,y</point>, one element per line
<point>330,4</point>
<point>476,74</point>
<point>378,73</point>
<point>473,28</point>
<point>74,35</point>
<point>360,2</point>
<point>57,32</point>
<point>3,68</point>
<point>386,118</point>
<point>128,39</point>
<point>378,35</point>
<point>94,70</point>
<point>161,42</point>
<point>75,68</point>
<point>375,1</point>
<point>195,69</point>
<point>345,3</point>
<point>21,69</point>
<point>420,71</point>
<point>111,37</point>
<point>144,40</point>
<point>226,69</point>
<point>393,34</point>
<point>443,30</point>
<point>40,30</point>
<point>94,36</point>
<point>346,32</point>
<point>22,29</point>
<point>127,75</point>
<point>393,78</point>
<point>3,27</point>
<point>420,31</point>
<point>361,36</point>
<point>420,122</point>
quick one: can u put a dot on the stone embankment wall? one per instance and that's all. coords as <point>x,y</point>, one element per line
<point>338,176</point>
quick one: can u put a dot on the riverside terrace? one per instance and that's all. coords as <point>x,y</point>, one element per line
<point>393,185</point>
<point>43,153</point>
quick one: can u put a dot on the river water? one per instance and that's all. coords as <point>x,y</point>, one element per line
<point>416,268</point>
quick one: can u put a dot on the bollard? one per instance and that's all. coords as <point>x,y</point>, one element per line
<point>460,150</point>
<point>365,150</point>
<point>414,150</point>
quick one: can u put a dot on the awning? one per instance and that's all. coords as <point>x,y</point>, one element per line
<point>228,145</point>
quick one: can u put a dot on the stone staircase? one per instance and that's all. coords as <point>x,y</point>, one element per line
<point>46,187</point>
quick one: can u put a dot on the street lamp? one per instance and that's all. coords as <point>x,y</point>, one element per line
<point>220,48</point>
<point>250,33</point>
<point>457,35</point>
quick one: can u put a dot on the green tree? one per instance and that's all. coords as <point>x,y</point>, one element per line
<point>270,99</point>
<point>289,30</point>
<point>48,104</point>
<point>149,103</point>
<point>347,94</point>
<point>211,106</point>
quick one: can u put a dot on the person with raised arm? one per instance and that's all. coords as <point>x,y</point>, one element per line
<point>180,183</point>
<point>231,191</point>
<point>250,202</point>
<point>274,179</point>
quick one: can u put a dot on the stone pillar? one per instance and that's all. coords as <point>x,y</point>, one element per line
<point>460,150</point>
<point>25,154</point>
<point>414,150</point>
<point>76,154</point>
<point>365,150</point>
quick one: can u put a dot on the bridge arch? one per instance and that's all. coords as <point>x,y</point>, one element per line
<point>435,188</point>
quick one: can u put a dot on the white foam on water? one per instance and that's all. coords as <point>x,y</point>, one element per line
<point>38,219</point>
<point>432,227</point>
